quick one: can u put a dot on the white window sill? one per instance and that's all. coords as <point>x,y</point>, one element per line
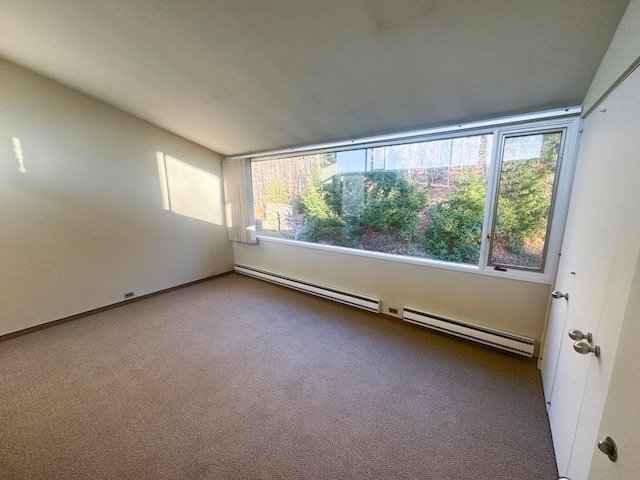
<point>519,275</point>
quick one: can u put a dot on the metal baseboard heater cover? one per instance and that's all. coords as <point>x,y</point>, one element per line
<point>348,298</point>
<point>487,336</point>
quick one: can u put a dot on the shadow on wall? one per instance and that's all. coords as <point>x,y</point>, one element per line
<point>189,191</point>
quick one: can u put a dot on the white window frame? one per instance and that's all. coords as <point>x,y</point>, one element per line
<point>568,122</point>
<point>560,201</point>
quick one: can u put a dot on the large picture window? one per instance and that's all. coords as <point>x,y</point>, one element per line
<point>485,199</point>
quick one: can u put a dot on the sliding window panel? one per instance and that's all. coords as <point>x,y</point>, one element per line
<point>527,183</point>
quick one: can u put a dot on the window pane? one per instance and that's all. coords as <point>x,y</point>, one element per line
<point>525,195</point>
<point>423,199</point>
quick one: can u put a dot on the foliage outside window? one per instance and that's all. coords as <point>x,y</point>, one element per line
<point>426,199</point>
<point>525,193</point>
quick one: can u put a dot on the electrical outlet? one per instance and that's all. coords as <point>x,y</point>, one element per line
<point>393,311</point>
<point>129,295</point>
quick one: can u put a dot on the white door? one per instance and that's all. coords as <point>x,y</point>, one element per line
<point>603,208</point>
<point>573,368</point>
<point>585,272</point>
<point>614,376</point>
<point>621,414</point>
<point>555,330</point>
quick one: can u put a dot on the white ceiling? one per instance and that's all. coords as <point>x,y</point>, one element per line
<point>248,75</point>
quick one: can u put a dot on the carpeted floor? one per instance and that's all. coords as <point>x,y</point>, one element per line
<point>240,379</point>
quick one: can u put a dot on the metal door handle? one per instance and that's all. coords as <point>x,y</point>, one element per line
<point>578,335</point>
<point>584,348</point>
<point>609,448</point>
<point>559,294</point>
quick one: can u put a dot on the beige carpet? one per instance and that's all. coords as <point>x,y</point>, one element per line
<point>236,378</point>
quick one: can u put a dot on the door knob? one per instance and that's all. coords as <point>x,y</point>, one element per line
<point>609,448</point>
<point>559,294</point>
<point>578,335</point>
<point>584,348</point>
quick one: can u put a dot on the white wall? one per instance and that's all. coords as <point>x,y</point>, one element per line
<point>508,305</point>
<point>86,222</point>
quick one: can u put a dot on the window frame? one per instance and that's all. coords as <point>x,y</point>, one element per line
<point>490,234</point>
<point>569,126</point>
<point>559,201</point>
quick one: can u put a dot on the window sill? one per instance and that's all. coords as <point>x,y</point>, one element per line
<point>425,262</point>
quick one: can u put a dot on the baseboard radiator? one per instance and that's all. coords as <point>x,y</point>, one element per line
<point>494,338</point>
<point>348,298</point>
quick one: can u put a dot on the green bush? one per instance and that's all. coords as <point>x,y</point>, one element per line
<point>276,191</point>
<point>455,231</point>
<point>314,203</point>
<point>321,224</point>
<point>523,204</point>
<point>382,202</point>
<point>391,204</point>
<point>323,230</point>
<point>526,188</point>
<point>334,194</point>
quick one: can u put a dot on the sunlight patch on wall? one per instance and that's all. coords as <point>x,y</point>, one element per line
<point>162,174</point>
<point>17,150</point>
<point>188,190</point>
